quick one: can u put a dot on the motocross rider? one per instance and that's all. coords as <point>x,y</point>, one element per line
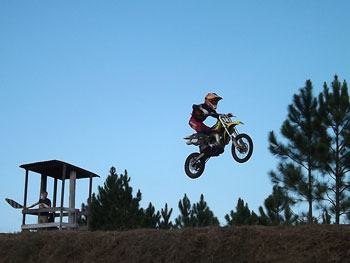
<point>202,111</point>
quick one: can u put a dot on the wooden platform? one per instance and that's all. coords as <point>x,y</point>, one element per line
<point>57,225</point>
<point>65,211</point>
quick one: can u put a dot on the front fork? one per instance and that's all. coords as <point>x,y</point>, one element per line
<point>200,157</point>
<point>233,138</point>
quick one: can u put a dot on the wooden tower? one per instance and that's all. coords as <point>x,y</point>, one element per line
<point>63,171</point>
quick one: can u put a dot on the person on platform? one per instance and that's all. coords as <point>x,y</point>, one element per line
<point>43,202</point>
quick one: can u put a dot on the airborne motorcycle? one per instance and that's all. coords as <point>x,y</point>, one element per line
<point>213,144</point>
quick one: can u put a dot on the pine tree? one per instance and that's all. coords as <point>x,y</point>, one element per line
<point>114,207</point>
<point>82,218</point>
<point>326,217</point>
<point>202,215</point>
<point>151,218</point>
<point>242,216</point>
<point>277,207</point>
<point>165,222</point>
<point>289,217</point>
<point>185,219</point>
<point>96,211</point>
<point>335,110</point>
<point>303,131</point>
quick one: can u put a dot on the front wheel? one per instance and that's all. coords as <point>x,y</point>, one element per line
<point>244,151</point>
<point>194,168</point>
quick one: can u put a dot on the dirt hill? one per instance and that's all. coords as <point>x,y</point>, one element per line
<point>318,243</point>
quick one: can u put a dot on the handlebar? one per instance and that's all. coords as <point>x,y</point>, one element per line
<point>228,115</point>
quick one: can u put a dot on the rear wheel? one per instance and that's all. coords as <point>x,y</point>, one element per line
<point>244,151</point>
<point>194,168</point>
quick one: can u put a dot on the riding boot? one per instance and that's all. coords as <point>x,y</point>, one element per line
<point>204,147</point>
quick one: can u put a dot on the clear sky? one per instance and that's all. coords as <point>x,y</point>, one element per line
<point>111,83</point>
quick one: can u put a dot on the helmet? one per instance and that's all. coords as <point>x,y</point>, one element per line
<point>212,100</point>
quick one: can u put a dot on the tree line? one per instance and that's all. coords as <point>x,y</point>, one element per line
<point>116,208</point>
<point>313,165</point>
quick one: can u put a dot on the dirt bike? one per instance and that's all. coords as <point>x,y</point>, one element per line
<point>213,143</point>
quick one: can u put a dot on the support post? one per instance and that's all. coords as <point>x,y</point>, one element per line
<point>89,203</point>
<point>62,194</point>
<point>25,196</point>
<point>43,184</point>
<point>54,193</point>
<point>72,184</point>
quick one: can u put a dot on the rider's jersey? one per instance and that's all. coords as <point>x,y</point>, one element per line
<point>201,112</point>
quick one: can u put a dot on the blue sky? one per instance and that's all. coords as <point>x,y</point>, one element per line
<point>102,83</point>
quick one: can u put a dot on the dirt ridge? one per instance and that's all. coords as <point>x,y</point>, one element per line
<point>314,243</point>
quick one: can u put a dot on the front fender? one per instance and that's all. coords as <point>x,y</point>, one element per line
<point>230,127</point>
<point>235,123</point>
